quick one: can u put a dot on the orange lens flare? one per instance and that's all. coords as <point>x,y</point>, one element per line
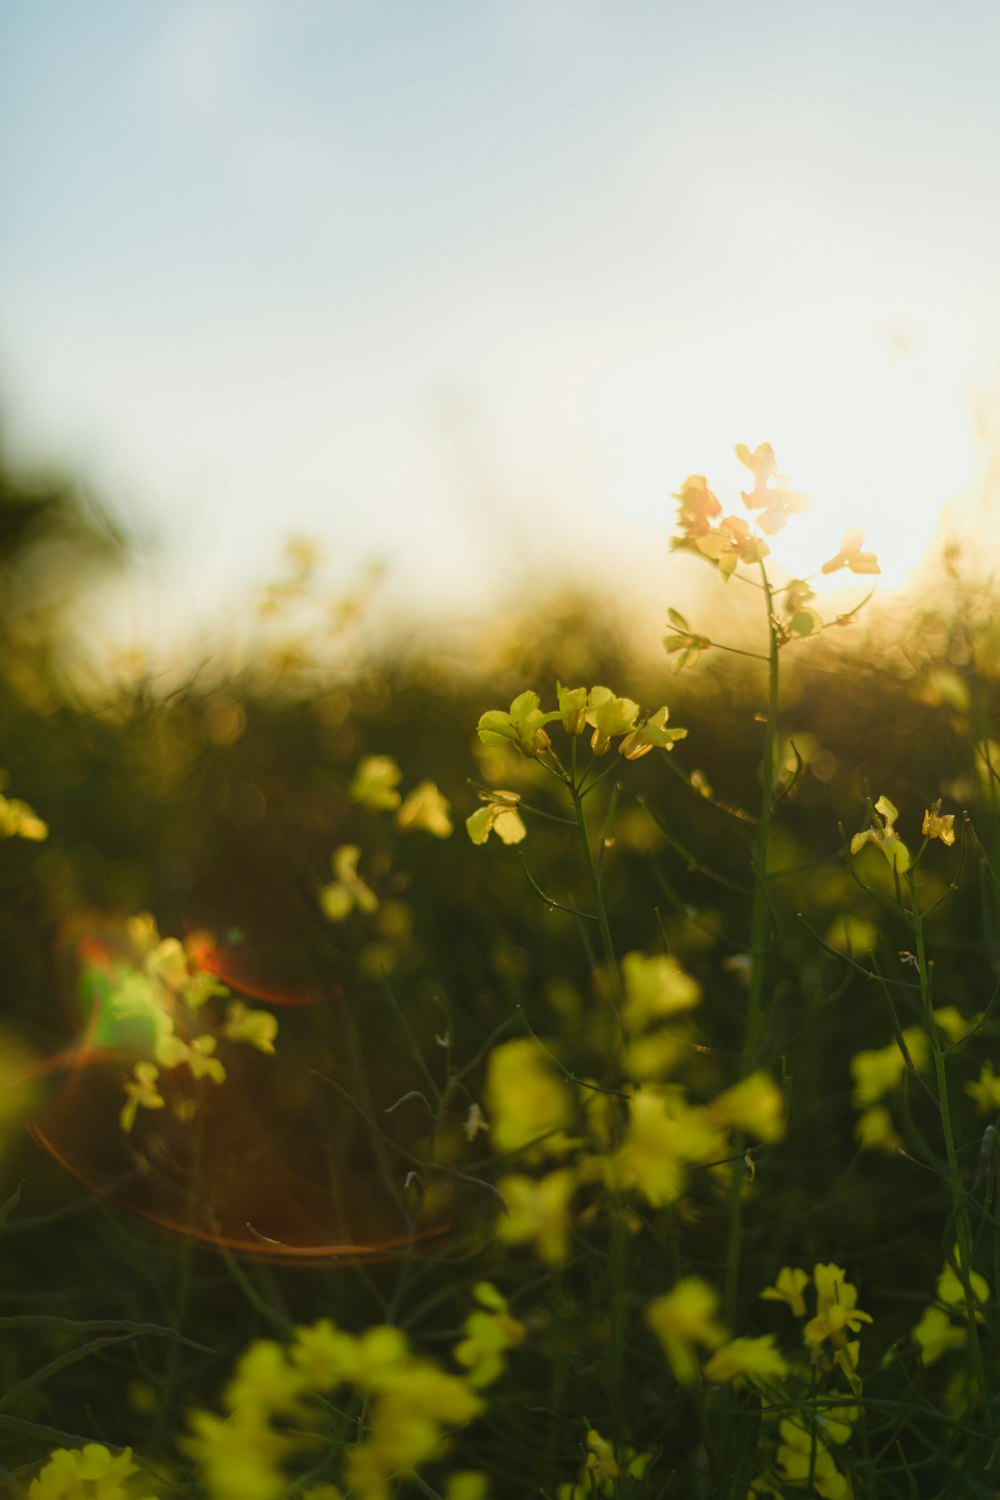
<point>270,1161</point>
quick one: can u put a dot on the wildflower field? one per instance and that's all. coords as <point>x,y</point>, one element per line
<point>572,1078</point>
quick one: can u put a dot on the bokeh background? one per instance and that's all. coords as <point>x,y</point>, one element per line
<point>467,290</point>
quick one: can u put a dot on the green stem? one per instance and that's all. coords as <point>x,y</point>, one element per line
<point>760,918</point>
<point>960,1213</point>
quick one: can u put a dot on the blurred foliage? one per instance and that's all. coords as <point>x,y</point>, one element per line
<point>219,802</point>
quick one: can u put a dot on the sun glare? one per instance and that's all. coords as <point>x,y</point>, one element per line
<point>887,447</point>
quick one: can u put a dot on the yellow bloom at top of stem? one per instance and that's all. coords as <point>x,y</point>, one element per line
<point>499,816</point>
<point>655,987</point>
<point>522,726</point>
<point>426,808</point>
<point>609,716</point>
<point>732,542</point>
<point>683,1319</point>
<point>885,837</point>
<point>698,507</point>
<point>851,556</point>
<point>770,494</point>
<point>572,708</point>
<point>325,1355</point>
<point>877,1072</point>
<point>837,1312</point>
<point>374,783</point>
<point>938,826</point>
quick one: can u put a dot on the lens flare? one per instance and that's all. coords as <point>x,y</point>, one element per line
<point>175,1102</point>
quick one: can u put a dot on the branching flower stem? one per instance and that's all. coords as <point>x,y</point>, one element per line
<point>760,923</point>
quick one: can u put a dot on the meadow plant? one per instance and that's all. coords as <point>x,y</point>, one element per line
<point>631,1237</point>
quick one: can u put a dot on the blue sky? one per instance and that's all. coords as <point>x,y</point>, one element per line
<point>472,284</point>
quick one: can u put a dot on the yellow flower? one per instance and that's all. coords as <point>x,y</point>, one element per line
<point>789,1286</point>
<point>374,783</point>
<point>877,1072</point>
<point>698,506</point>
<point>526,1098</point>
<point>954,1025</point>
<point>949,1285</point>
<point>851,556</point>
<point>936,826</point>
<point>652,732</point>
<point>538,1213</point>
<point>885,837</point>
<point>662,1136</point>
<point>488,1335</point>
<point>266,1381</point>
<point>325,1355</point>
<point>18,820</point>
<point>747,1359</point>
<point>466,1484</point>
<point>239,1455</point>
<point>755,1104</point>
<point>77,1473</point>
<point>609,717</point>
<point>655,987</point>
<point>499,816</point>
<point>684,1318</point>
<point>348,890</point>
<point>802,1455</point>
<point>986,1090</point>
<point>141,1093</point>
<point>257,1028</point>
<point>730,543</point>
<point>522,726</point>
<point>427,809</point>
<point>936,1334</point>
<point>171,1052</point>
<point>573,708</point>
<point>836,1308</point>
<point>874,1130</point>
<point>770,494</point>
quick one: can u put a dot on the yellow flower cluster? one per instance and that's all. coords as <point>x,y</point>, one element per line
<point>686,1319</point>
<point>837,1313</point>
<point>937,1331</point>
<point>18,820</point>
<point>156,999</point>
<point>92,1472</point>
<point>274,1405</point>
<point>375,786</point>
<point>608,717</point>
<point>645,1145</point>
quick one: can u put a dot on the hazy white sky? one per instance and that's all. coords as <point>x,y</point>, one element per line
<point>450,282</point>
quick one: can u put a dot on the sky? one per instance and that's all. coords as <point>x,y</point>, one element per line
<point>470,286</point>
